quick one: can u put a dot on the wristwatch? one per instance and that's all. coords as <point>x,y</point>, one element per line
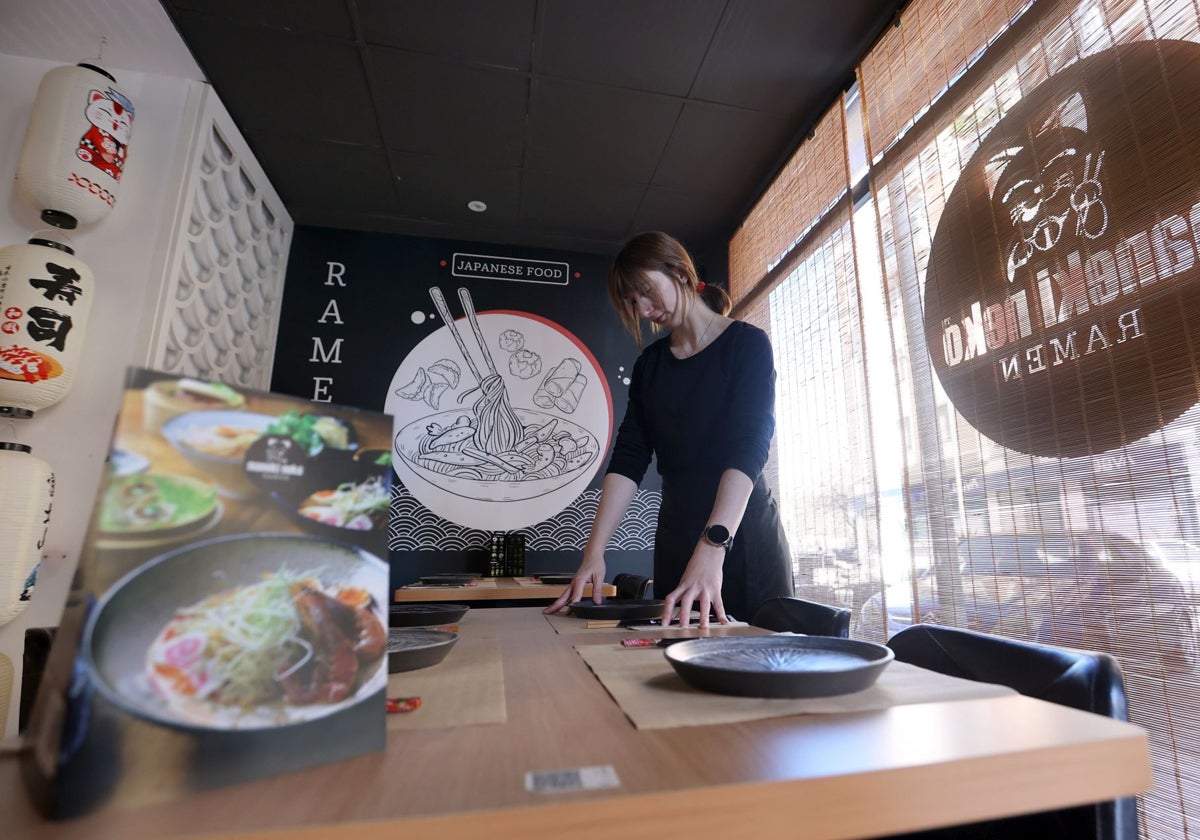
<point>719,536</point>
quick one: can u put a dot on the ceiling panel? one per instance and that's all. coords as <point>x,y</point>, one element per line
<point>767,52</point>
<point>330,18</point>
<point>350,179</point>
<point>577,127</point>
<point>581,205</point>
<point>304,84</point>
<point>440,188</point>
<point>577,121</point>
<point>718,150</point>
<point>628,43</point>
<point>687,215</point>
<point>431,106</point>
<point>481,32</point>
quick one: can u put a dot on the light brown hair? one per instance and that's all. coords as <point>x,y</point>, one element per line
<point>657,251</point>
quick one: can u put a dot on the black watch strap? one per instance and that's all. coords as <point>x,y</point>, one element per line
<point>719,536</point>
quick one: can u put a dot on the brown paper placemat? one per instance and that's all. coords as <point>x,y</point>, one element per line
<point>653,696</point>
<point>467,687</point>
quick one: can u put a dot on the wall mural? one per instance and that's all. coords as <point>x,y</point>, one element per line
<point>484,436</point>
<point>505,372</point>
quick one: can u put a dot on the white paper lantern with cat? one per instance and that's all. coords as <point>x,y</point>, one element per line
<point>76,146</point>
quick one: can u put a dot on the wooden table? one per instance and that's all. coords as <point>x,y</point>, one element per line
<point>490,589</point>
<point>836,776</point>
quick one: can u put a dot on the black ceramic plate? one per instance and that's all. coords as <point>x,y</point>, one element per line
<point>448,579</point>
<point>779,666</point>
<point>425,615</point>
<point>555,580</point>
<point>410,648</point>
<point>625,609</point>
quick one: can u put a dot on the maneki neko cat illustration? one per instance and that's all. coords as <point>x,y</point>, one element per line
<point>1049,187</point>
<point>105,143</point>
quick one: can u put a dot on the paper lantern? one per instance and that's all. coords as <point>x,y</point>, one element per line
<point>26,496</point>
<point>45,299</point>
<point>76,145</point>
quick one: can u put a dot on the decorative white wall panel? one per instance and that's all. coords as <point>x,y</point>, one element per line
<point>218,308</point>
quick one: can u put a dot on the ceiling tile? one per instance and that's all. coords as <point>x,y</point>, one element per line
<point>598,207</point>
<point>429,106</point>
<point>721,151</point>
<point>786,57</point>
<point>354,177</point>
<point>441,187</point>
<point>685,215</point>
<point>328,17</point>
<point>628,43</point>
<point>582,127</point>
<point>475,31</point>
<point>300,84</point>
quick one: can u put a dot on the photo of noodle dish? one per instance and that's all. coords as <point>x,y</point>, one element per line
<point>356,506</point>
<point>243,633</point>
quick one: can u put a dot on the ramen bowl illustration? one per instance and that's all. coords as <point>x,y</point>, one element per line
<point>453,451</point>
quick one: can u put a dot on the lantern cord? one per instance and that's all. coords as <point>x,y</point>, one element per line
<point>100,51</point>
<point>12,429</point>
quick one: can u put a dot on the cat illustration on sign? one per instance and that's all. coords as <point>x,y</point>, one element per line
<point>1039,184</point>
<point>105,143</point>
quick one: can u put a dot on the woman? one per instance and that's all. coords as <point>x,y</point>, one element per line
<point>702,399</point>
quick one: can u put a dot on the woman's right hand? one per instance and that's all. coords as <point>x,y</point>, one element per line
<point>590,571</point>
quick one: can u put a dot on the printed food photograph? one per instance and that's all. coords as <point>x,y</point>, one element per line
<point>235,590</point>
<point>242,632</point>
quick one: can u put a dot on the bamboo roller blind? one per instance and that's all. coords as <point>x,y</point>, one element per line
<point>932,90</point>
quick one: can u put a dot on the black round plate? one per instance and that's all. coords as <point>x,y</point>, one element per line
<point>783,665</point>
<point>425,615</point>
<point>410,648</point>
<point>555,580</point>
<point>624,609</point>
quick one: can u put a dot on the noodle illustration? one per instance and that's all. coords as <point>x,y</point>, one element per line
<point>494,442</point>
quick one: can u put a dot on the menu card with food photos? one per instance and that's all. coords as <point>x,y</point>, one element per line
<point>229,618</point>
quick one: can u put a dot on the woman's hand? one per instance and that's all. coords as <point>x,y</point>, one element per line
<point>699,586</point>
<point>591,571</point>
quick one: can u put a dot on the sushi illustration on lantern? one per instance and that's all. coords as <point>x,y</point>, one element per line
<point>76,146</point>
<point>45,301</point>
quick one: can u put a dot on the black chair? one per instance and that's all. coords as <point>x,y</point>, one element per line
<point>632,587</point>
<point>1085,680</point>
<point>796,615</point>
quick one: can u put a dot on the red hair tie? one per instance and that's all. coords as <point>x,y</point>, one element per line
<point>700,286</point>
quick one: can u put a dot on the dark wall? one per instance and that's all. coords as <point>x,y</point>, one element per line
<point>346,329</point>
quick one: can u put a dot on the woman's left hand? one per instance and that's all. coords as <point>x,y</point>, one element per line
<point>699,587</point>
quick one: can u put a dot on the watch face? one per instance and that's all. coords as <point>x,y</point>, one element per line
<point>718,534</point>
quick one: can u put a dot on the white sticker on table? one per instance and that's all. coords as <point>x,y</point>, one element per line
<point>573,779</point>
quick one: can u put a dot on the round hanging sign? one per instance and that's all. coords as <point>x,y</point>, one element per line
<point>1062,295</point>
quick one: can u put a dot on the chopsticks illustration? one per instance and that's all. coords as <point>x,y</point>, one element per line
<point>464,297</point>
<point>468,306</point>
<point>439,301</point>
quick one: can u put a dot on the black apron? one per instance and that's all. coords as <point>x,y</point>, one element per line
<point>759,564</point>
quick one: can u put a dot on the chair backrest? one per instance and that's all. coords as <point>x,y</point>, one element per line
<point>795,615</point>
<point>1086,680</point>
<point>631,586</point>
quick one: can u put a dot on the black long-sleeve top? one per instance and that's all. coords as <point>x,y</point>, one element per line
<point>701,415</point>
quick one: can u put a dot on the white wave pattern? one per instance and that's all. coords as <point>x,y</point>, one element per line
<point>414,527</point>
